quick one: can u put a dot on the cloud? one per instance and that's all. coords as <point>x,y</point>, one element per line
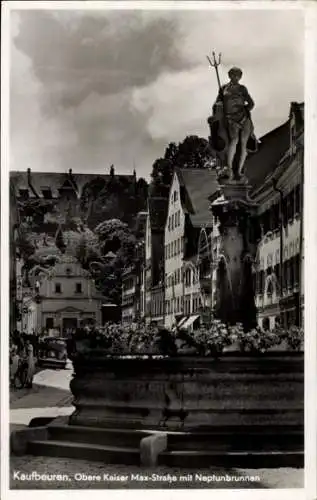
<point>91,88</point>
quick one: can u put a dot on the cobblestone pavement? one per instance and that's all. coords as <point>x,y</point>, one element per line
<point>76,470</point>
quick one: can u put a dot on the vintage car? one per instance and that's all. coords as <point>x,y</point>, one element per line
<point>52,352</point>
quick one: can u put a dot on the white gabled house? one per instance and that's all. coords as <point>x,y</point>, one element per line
<point>188,213</point>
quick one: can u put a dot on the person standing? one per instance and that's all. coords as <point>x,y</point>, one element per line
<point>30,364</point>
<point>14,363</point>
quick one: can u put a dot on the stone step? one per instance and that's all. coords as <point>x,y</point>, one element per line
<point>241,459</point>
<point>179,458</point>
<point>85,451</point>
<point>231,438</point>
<point>241,439</point>
<point>95,435</point>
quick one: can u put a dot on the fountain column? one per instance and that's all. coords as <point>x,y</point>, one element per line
<point>235,301</point>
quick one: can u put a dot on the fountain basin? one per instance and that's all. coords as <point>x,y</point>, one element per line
<point>188,394</point>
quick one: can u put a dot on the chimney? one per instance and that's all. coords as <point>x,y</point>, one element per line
<point>30,183</point>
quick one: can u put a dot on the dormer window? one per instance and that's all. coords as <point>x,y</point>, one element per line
<point>47,193</point>
<point>24,194</point>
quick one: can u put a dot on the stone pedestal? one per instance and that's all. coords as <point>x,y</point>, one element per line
<point>235,292</point>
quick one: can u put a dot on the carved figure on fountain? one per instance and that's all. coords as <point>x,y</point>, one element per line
<point>235,295</point>
<point>231,127</point>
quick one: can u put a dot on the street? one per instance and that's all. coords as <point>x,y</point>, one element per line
<point>50,396</point>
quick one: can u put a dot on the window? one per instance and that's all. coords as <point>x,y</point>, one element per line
<point>260,282</point>
<point>285,275</point>
<point>277,274</point>
<point>292,273</point>
<point>169,223</point>
<point>58,288</point>
<point>296,270</point>
<point>172,222</point>
<point>188,278</point>
<point>284,210</point>
<point>24,194</point>
<point>47,193</point>
<point>291,205</point>
<point>266,324</point>
<point>49,324</point>
<point>175,196</point>
<point>78,288</point>
<point>276,216</point>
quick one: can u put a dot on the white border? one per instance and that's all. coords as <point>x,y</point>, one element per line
<point>310,212</point>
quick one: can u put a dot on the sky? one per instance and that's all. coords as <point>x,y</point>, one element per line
<point>93,88</point>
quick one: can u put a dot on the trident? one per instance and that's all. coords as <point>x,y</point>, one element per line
<point>215,64</point>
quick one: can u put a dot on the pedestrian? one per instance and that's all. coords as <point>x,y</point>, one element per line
<point>14,363</point>
<point>30,364</point>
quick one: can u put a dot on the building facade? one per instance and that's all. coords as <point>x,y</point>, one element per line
<point>188,218</point>
<point>280,255</point>
<point>129,296</point>
<point>63,299</point>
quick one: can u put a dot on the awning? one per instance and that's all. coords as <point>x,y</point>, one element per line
<point>190,321</point>
<point>182,321</point>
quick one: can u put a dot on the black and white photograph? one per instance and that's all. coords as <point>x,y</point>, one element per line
<point>155,192</point>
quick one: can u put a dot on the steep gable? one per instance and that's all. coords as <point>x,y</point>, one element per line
<point>197,185</point>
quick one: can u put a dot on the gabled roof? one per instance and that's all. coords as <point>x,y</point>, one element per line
<point>197,185</point>
<point>273,146</point>
<point>271,149</point>
<point>55,181</point>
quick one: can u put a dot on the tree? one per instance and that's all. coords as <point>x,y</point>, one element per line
<point>192,152</point>
<point>107,260</point>
<point>116,197</point>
